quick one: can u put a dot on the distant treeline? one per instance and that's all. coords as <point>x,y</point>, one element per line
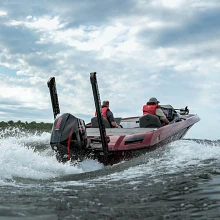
<point>27,125</point>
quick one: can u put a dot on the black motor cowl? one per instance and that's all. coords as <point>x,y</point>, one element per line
<point>68,137</point>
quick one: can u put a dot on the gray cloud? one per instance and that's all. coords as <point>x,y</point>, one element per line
<point>92,12</point>
<point>138,48</point>
<point>201,27</point>
<point>75,12</point>
<point>17,40</point>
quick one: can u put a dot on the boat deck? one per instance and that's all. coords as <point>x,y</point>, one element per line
<point>118,131</point>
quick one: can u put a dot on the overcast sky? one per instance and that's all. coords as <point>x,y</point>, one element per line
<point>139,48</point>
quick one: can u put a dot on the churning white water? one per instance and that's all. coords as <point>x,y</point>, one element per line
<point>30,156</point>
<point>23,157</point>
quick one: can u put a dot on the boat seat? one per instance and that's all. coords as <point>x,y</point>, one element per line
<point>95,124</point>
<point>149,121</point>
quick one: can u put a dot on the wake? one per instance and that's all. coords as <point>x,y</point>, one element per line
<point>30,156</point>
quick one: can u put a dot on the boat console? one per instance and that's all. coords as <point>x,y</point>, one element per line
<point>172,114</point>
<point>169,110</point>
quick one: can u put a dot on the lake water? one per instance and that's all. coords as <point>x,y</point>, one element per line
<point>178,181</point>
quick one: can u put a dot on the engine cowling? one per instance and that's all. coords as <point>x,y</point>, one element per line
<point>68,137</point>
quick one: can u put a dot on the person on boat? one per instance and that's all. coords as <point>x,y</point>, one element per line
<point>153,108</point>
<point>106,112</point>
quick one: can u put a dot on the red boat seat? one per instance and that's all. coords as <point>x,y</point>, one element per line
<point>149,121</point>
<point>95,124</point>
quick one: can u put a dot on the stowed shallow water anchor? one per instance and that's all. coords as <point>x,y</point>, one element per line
<point>54,97</point>
<point>102,130</point>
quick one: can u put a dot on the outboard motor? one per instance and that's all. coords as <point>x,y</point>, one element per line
<point>184,111</point>
<point>68,137</point>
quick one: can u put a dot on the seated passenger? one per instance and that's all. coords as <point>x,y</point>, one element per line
<point>109,115</point>
<point>153,108</point>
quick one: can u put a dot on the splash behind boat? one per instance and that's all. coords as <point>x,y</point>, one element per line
<point>73,140</point>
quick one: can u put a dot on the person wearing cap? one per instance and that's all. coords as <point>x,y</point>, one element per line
<point>153,108</point>
<point>106,112</point>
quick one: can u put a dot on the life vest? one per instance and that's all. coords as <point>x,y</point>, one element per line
<point>104,112</point>
<point>150,109</point>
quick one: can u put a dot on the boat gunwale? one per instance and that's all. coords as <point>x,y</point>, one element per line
<point>135,130</point>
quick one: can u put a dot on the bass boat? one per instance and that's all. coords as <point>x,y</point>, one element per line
<point>73,140</point>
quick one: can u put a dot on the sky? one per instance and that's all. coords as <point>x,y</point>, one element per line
<point>139,48</point>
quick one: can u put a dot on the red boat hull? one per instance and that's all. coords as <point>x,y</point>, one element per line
<point>126,143</point>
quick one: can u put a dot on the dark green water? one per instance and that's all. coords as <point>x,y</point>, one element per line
<point>179,181</point>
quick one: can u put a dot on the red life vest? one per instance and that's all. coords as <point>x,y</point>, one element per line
<point>104,112</point>
<point>150,109</point>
